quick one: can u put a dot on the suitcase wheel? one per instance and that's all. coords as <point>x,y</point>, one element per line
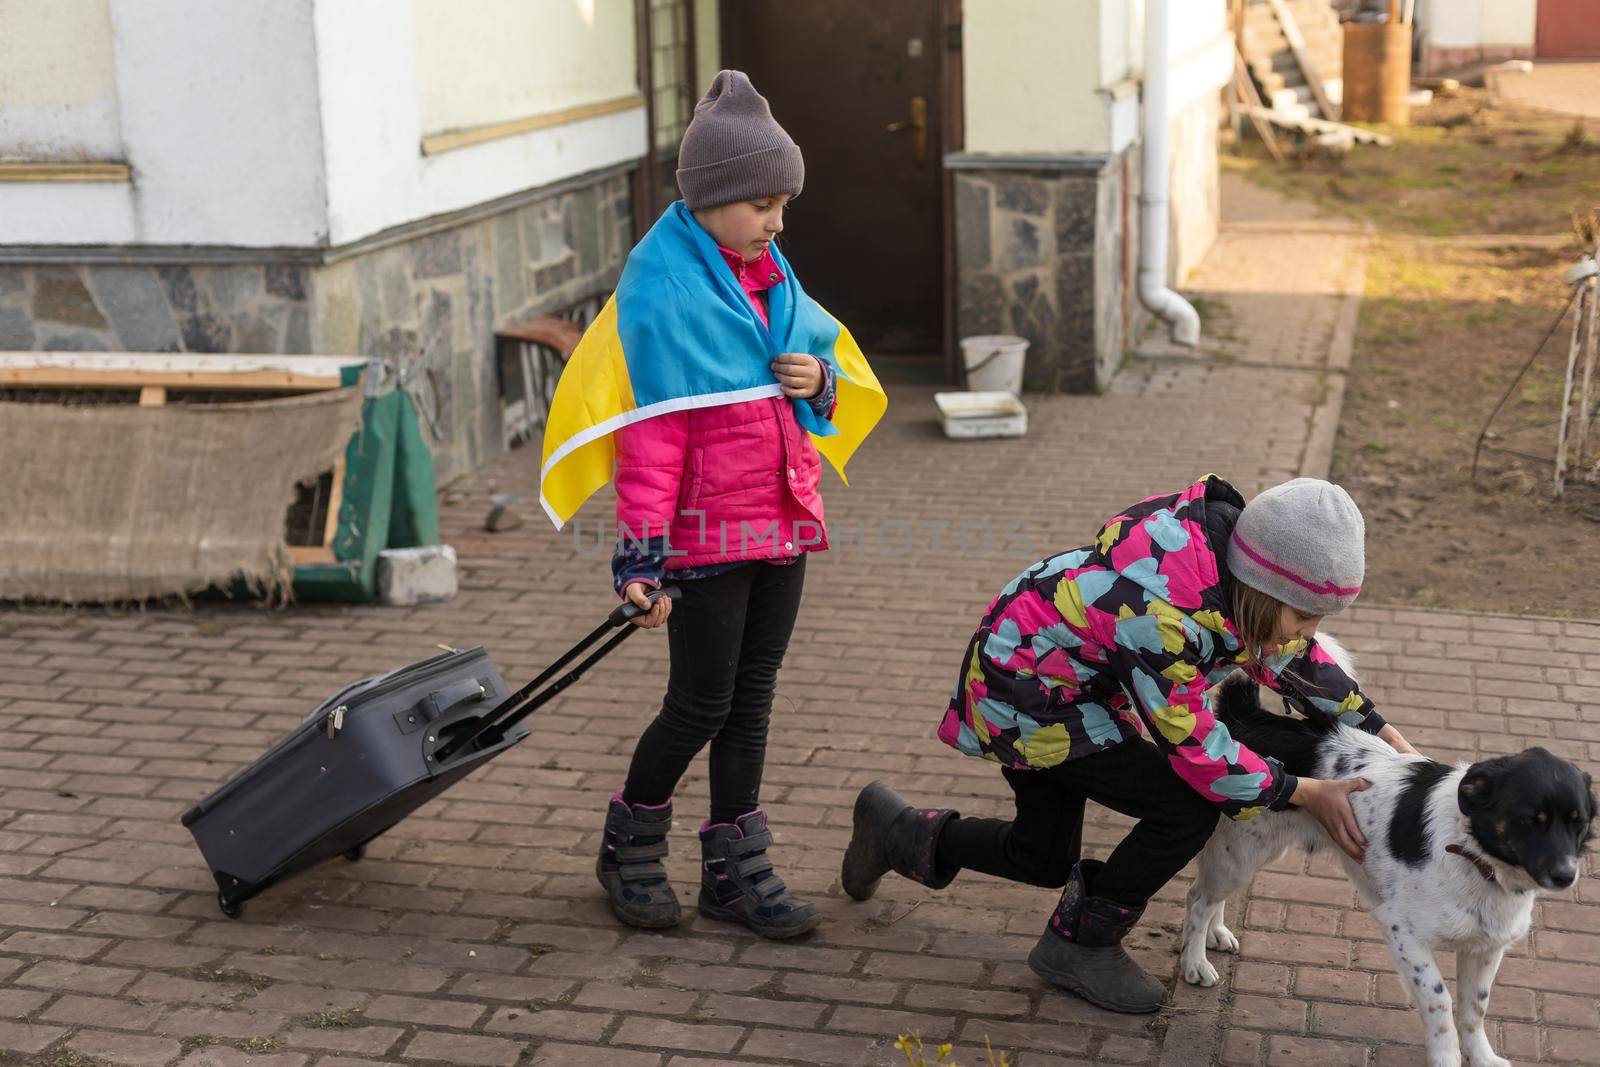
<point>230,907</point>
<point>354,855</point>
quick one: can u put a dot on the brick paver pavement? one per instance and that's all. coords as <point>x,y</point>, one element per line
<point>474,933</point>
<point>1571,86</point>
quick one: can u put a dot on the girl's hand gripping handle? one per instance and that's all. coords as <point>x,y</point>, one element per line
<point>645,609</point>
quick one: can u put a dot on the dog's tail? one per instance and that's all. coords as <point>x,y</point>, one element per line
<point>1292,742</point>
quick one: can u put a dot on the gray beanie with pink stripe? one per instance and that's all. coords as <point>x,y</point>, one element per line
<point>1302,543</point>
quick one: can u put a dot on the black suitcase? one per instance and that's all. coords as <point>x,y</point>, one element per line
<point>367,757</point>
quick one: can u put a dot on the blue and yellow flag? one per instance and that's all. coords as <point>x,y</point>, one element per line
<point>679,333</point>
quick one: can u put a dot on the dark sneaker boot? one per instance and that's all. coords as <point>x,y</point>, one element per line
<point>891,835</point>
<point>630,867</point>
<point>737,883</point>
<point>1081,950</point>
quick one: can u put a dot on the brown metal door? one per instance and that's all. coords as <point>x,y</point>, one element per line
<point>856,83</point>
<point>1568,29</point>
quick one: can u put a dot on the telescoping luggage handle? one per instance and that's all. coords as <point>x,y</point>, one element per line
<point>525,701</point>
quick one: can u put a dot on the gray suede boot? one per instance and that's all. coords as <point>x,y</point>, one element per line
<point>738,884</point>
<point>630,867</point>
<point>1081,950</point>
<point>891,835</point>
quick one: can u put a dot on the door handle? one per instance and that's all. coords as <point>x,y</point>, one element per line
<point>918,125</point>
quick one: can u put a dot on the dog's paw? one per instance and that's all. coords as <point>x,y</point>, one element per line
<point>1221,939</point>
<point>1197,970</point>
<point>1485,1057</point>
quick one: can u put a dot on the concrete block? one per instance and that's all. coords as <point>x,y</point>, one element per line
<point>424,575</point>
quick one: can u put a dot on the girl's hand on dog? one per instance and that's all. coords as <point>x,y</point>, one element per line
<point>1397,741</point>
<point>1329,803</point>
<point>657,613</point>
<point>799,374</point>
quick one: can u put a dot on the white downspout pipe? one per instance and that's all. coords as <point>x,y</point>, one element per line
<point>1155,217</point>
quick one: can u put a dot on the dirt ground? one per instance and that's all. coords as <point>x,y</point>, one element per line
<point>1450,315</point>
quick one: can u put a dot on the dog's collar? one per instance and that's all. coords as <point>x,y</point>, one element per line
<point>1474,859</point>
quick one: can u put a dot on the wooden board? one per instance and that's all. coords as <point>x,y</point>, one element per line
<point>310,555</point>
<point>450,140</point>
<point>248,381</point>
<point>1308,69</point>
<point>1250,102</point>
<point>172,370</point>
<point>15,171</point>
<point>1321,126</point>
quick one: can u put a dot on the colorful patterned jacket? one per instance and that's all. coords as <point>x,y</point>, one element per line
<point>1120,640</point>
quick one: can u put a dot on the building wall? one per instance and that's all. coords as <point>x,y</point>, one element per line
<point>298,123</point>
<point>281,199</point>
<point>1030,77</point>
<point>1047,189</point>
<point>108,307</point>
<point>1478,23</point>
<point>472,60</point>
<point>373,125</point>
<point>1196,188</point>
<point>58,80</point>
<point>216,110</point>
<point>1041,252</point>
<point>429,304</point>
<point>1456,33</point>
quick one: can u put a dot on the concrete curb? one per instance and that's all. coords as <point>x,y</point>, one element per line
<point>1317,459</point>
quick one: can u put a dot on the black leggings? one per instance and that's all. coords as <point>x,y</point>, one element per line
<point>727,635</point>
<point>1041,845</point>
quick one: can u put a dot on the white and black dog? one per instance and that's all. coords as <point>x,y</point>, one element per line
<point>1454,855</point>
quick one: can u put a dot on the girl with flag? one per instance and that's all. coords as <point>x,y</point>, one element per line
<point>707,388</point>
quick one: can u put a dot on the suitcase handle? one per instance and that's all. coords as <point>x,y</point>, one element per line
<point>437,703</point>
<point>627,611</point>
<point>525,701</point>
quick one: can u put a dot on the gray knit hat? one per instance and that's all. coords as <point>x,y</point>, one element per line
<point>1303,543</point>
<point>734,149</point>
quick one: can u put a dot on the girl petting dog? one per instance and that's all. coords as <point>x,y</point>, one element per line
<point>1087,653</point>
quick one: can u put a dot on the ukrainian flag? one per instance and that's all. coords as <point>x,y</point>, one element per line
<point>679,333</point>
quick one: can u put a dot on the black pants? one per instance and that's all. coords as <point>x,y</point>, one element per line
<point>727,635</point>
<point>1041,845</point>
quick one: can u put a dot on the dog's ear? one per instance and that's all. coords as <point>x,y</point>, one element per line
<point>1476,791</point>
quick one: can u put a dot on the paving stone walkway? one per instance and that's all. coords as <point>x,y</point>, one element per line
<point>474,933</point>
<point>1568,86</point>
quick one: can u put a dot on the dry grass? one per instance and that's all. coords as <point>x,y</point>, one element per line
<point>1445,325</point>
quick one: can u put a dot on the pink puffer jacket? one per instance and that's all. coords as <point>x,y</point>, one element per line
<point>735,482</point>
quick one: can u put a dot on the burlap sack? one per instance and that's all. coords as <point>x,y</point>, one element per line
<point>103,503</point>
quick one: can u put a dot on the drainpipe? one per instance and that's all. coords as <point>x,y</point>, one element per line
<point>1155,216</point>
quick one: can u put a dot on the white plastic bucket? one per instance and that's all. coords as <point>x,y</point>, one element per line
<point>994,362</point>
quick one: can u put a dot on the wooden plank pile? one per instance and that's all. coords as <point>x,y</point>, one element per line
<point>1288,76</point>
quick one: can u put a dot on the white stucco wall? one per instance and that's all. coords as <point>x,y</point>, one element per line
<point>1053,76</point>
<point>1478,23</point>
<point>372,122</point>
<point>58,81</point>
<point>217,113</point>
<point>219,117</point>
<point>298,122</point>
<point>1511,22</point>
<point>1196,188</point>
<point>1029,70</point>
<point>494,60</point>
